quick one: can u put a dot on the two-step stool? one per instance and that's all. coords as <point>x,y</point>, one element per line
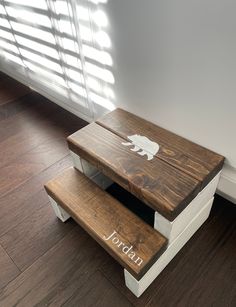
<point>172,175</point>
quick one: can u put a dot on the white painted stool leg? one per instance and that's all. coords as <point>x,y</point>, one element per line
<point>139,286</point>
<point>76,161</point>
<point>90,171</point>
<point>60,212</point>
<point>171,230</point>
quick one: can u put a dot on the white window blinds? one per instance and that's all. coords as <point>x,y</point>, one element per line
<point>61,47</point>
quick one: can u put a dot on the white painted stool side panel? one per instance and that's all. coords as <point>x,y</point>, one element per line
<point>172,229</point>
<point>83,166</point>
<point>138,287</point>
<point>60,212</point>
<point>91,171</point>
<point>102,181</point>
<point>88,169</point>
<point>76,161</point>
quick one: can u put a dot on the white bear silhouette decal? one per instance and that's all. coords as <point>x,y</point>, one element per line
<point>142,143</point>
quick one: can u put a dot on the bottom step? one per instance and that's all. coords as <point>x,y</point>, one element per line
<point>128,239</point>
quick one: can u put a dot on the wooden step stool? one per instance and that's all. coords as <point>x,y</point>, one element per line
<point>172,175</point>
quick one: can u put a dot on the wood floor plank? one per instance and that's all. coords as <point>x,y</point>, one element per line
<point>97,291</point>
<point>8,270</point>
<point>115,274</point>
<point>30,164</point>
<point>34,235</point>
<point>57,275</point>
<point>24,200</point>
<point>11,89</point>
<point>193,159</point>
<point>20,144</point>
<point>40,113</point>
<point>159,185</point>
<point>44,131</point>
<point>17,106</point>
<point>43,123</point>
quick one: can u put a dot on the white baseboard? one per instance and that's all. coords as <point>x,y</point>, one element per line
<point>71,107</point>
<point>227,184</point>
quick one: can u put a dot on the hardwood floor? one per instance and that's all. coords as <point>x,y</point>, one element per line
<point>44,262</point>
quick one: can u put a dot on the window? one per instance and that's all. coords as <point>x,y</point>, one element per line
<point>60,47</point>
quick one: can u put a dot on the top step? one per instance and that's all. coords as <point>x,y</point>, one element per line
<point>193,159</point>
<point>162,169</point>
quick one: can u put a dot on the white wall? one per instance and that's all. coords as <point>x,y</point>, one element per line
<point>175,64</point>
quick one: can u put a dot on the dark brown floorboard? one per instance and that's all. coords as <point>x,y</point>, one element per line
<point>23,201</point>
<point>8,270</point>
<point>97,291</point>
<point>34,235</point>
<point>10,89</point>
<point>31,163</point>
<point>57,275</point>
<point>44,262</point>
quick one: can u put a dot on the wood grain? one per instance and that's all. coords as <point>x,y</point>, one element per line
<point>36,133</point>
<point>31,163</point>
<point>10,89</point>
<point>213,268</point>
<point>32,118</point>
<point>25,199</point>
<point>195,160</point>
<point>100,215</point>
<point>57,275</point>
<point>97,291</point>
<point>161,186</point>
<point>19,105</point>
<point>9,270</point>
<point>34,235</point>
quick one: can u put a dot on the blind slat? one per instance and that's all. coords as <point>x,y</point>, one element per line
<point>61,43</point>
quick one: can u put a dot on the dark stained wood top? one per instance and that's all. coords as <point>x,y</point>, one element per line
<point>158,184</point>
<point>168,182</point>
<point>193,159</point>
<point>100,215</point>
